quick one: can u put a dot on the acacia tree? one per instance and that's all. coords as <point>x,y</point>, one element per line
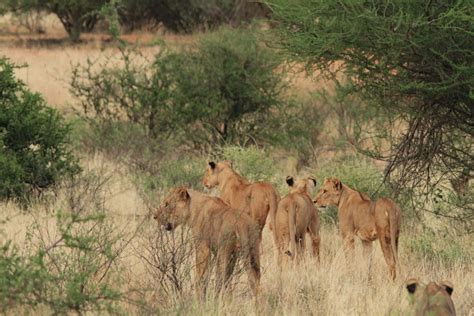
<point>75,16</point>
<point>410,62</point>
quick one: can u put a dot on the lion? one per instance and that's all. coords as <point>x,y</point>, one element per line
<point>431,299</point>
<point>296,216</point>
<point>218,230</point>
<point>258,199</point>
<point>361,217</point>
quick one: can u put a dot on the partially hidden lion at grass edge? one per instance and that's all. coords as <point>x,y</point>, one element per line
<point>258,199</point>
<point>217,230</point>
<point>361,217</point>
<point>296,216</point>
<point>433,298</point>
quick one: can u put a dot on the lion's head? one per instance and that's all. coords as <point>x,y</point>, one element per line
<point>329,194</point>
<point>174,210</point>
<point>301,185</point>
<point>433,298</point>
<point>213,170</point>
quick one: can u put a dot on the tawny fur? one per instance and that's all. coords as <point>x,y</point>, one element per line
<point>217,230</point>
<point>432,299</point>
<point>259,199</point>
<point>296,216</point>
<point>361,217</point>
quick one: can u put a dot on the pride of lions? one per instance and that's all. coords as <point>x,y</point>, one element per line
<point>230,227</point>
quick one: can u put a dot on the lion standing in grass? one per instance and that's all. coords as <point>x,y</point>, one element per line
<point>257,199</point>
<point>296,216</point>
<point>361,217</point>
<point>218,230</point>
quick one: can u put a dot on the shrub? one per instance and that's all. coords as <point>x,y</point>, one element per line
<point>188,15</point>
<point>72,267</point>
<point>227,89</point>
<point>253,163</point>
<point>231,84</point>
<point>170,172</point>
<point>75,16</point>
<point>444,249</point>
<point>34,138</point>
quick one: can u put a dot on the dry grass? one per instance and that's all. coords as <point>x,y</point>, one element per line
<point>50,57</point>
<point>330,288</point>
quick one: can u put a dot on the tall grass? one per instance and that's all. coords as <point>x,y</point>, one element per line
<point>334,287</point>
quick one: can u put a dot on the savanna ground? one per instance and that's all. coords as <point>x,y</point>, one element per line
<point>334,287</point>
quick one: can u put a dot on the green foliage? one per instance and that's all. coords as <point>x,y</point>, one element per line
<point>251,162</point>
<point>172,172</point>
<point>188,15</point>
<point>444,249</point>
<point>410,60</point>
<point>231,83</point>
<point>68,268</point>
<point>227,89</point>
<point>75,16</point>
<point>34,139</point>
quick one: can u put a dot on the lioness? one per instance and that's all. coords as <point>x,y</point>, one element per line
<point>217,229</point>
<point>360,216</point>
<point>257,199</point>
<point>431,299</point>
<point>296,216</point>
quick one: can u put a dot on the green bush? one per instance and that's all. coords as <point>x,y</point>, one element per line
<point>75,16</point>
<point>188,15</point>
<point>232,85</point>
<point>71,268</point>
<point>226,90</point>
<point>252,163</point>
<point>34,152</point>
<point>171,172</point>
<point>445,248</point>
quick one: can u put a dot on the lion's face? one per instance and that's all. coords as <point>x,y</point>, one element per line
<point>429,297</point>
<point>211,177</point>
<point>301,185</point>
<point>329,194</point>
<point>174,209</point>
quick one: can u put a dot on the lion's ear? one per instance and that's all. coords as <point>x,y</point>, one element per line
<point>337,184</point>
<point>411,285</point>
<point>448,286</point>
<point>212,164</point>
<point>228,163</point>
<point>183,194</point>
<point>312,179</point>
<point>290,181</point>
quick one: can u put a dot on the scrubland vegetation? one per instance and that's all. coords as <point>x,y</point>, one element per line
<point>97,127</point>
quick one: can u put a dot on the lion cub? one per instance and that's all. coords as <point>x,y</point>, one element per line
<point>431,299</point>
<point>296,216</point>
<point>217,230</point>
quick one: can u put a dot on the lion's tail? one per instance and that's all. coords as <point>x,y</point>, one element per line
<point>292,210</point>
<point>272,210</point>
